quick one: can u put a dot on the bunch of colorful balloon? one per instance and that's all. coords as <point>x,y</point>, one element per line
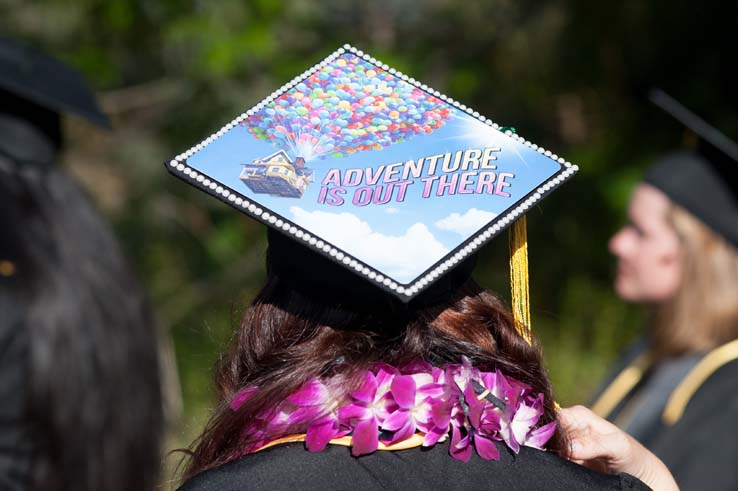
<point>347,106</point>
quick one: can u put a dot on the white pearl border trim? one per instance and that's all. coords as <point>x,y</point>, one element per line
<point>179,165</point>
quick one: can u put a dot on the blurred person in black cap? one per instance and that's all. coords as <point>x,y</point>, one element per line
<point>80,404</point>
<point>676,391</point>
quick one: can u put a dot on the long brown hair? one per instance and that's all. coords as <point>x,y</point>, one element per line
<point>285,340</point>
<point>704,312</point>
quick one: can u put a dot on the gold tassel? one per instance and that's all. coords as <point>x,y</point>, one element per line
<point>519,278</point>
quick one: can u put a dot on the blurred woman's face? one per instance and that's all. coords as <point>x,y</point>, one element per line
<point>648,250</point>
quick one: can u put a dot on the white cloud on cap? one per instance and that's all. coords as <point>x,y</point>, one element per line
<point>402,257</point>
<point>465,224</point>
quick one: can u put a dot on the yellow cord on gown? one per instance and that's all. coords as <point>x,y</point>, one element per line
<point>519,278</point>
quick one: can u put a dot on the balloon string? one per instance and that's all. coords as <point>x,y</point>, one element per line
<point>519,278</point>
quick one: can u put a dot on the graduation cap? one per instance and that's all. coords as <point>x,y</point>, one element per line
<point>36,77</point>
<point>703,180</point>
<point>355,164</point>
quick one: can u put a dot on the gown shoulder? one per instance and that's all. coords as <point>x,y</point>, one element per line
<point>290,466</point>
<point>701,446</point>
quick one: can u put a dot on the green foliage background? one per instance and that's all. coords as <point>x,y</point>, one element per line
<point>570,75</point>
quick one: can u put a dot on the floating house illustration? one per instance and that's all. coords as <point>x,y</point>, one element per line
<point>278,175</point>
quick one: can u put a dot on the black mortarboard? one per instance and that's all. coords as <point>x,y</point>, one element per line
<point>703,180</point>
<point>356,166</point>
<point>47,82</point>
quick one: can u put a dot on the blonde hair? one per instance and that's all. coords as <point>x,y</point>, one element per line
<point>704,312</point>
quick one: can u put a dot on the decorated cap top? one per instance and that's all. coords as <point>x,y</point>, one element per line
<point>374,170</point>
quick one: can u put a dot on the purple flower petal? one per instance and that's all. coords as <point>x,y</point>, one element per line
<point>368,390</point>
<point>488,379</point>
<point>406,431</point>
<point>476,407</point>
<point>365,438</point>
<point>320,433</point>
<point>490,421</point>
<point>403,390</point>
<point>422,414</point>
<point>460,374</point>
<point>439,375</point>
<point>354,411</point>
<point>460,447</point>
<point>430,390</point>
<point>241,397</point>
<point>422,378</point>
<point>441,413</point>
<point>517,390</point>
<point>384,370</point>
<point>435,434</point>
<point>385,374</point>
<point>525,418</point>
<point>383,408</point>
<point>310,394</point>
<point>303,415</point>
<point>540,436</point>
<point>508,437</point>
<point>486,448</point>
<point>396,420</point>
<point>504,391</point>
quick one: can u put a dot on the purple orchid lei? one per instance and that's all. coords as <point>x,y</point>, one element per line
<point>474,408</point>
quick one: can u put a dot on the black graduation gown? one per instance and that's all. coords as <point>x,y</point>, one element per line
<point>701,446</point>
<point>701,449</point>
<point>290,466</point>
<point>15,441</point>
